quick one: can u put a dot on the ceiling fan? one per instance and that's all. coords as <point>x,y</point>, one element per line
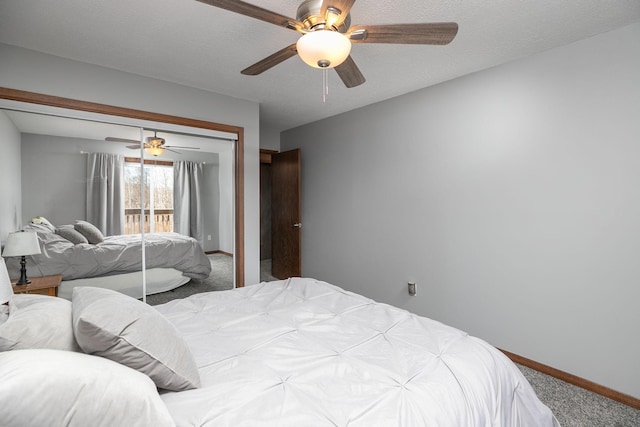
<point>327,35</point>
<point>154,145</point>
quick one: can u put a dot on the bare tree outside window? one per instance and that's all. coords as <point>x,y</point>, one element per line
<point>158,198</point>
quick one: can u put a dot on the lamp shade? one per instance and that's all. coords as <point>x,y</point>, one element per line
<point>6,290</point>
<point>21,243</point>
<point>323,48</point>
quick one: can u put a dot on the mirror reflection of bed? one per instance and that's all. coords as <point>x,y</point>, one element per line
<point>54,155</point>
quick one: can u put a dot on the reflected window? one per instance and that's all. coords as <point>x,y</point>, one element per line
<point>158,196</point>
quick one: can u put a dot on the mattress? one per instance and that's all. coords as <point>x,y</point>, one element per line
<point>301,352</point>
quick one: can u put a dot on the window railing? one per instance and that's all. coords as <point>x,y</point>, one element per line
<point>162,219</point>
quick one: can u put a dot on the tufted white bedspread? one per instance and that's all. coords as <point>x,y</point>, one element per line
<point>305,353</point>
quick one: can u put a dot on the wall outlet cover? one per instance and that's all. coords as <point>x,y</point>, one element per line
<point>413,290</point>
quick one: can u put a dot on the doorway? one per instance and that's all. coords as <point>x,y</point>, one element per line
<point>280,216</point>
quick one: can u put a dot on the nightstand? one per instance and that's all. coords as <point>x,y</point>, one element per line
<point>46,285</point>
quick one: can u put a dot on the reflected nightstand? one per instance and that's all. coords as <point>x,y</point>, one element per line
<point>46,285</point>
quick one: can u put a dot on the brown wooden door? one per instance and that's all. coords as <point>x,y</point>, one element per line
<point>286,224</point>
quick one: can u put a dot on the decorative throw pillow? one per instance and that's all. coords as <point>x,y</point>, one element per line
<point>90,231</point>
<point>55,388</point>
<point>41,229</point>
<point>38,321</point>
<point>71,234</point>
<point>113,325</point>
<point>40,220</point>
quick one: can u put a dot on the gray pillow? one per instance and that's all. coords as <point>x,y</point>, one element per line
<point>90,231</point>
<point>38,321</point>
<point>121,328</point>
<point>56,388</point>
<point>71,234</point>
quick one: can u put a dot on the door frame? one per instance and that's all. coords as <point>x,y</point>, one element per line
<point>110,110</point>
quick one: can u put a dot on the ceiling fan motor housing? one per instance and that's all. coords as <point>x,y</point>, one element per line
<point>309,13</point>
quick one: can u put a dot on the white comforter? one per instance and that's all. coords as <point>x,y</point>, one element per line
<point>115,255</point>
<point>306,353</point>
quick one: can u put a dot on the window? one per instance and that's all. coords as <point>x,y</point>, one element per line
<point>158,196</point>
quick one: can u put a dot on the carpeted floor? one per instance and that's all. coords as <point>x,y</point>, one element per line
<point>576,407</point>
<point>572,406</point>
<point>220,279</point>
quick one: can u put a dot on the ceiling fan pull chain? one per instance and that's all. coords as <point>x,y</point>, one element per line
<point>325,84</point>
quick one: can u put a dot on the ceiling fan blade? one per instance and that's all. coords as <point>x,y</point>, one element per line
<point>128,141</point>
<point>271,61</point>
<point>438,33</point>
<point>181,146</point>
<point>350,73</point>
<point>256,12</point>
<point>137,146</point>
<point>341,6</point>
<point>173,151</point>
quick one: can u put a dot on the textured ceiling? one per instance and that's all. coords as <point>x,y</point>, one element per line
<point>194,44</point>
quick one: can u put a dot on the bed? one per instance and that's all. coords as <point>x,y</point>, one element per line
<point>297,352</point>
<point>85,257</point>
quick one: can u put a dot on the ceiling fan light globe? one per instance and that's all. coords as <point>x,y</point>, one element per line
<point>155,141</point>
<point>323,48</point>
<point>154,151</point>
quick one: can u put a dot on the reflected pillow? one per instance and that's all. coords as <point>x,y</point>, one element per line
<point>71,234</point>
<point>41,229</point>
<point>43,222</point>
<point>90,231</point>
<point>38,321</point>
<point>56,388</point>
<point>121,328</point>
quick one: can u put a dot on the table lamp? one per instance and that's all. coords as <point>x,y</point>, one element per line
<point>22,243</point>
<point>6,290</point>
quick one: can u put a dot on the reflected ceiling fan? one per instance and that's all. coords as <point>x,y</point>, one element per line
<point>327,35</point>
<point>155,145</point>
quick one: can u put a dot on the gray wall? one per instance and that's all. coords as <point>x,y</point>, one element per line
<point>33,71</point>
<point>54,177</point>
<point>10,186</point>
<point>511,196</point>
<point>269,138</point>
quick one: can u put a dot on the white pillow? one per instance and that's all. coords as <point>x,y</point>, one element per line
<point>56,388</point>
<point>4,313</point>
<point>38,321</point>
<point>40,220</point>
<point>123,329</point>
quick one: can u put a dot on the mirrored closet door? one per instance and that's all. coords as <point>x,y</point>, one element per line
<point>141,191</point>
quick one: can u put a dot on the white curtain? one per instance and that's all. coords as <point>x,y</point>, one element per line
<point>187,199</point>
<point>105,192</point>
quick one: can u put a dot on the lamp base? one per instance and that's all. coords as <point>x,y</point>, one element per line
<point>23,272</point>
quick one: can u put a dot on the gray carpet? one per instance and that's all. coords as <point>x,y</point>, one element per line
<point>576,407</point>
<point>220,279</point>
<point>572,406</point>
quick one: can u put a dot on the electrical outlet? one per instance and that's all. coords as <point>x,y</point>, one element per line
<point>413,289</point>
<point>208,236</point>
